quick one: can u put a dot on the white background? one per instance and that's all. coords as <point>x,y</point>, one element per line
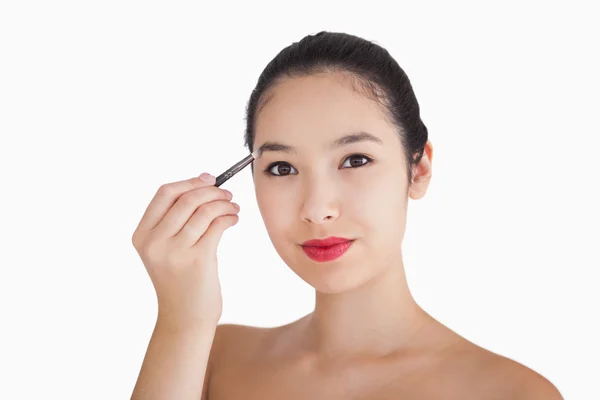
<point>102,102</point>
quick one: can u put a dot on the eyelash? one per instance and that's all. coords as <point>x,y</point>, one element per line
<point>272,165</point>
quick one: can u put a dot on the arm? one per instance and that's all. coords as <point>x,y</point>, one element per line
<point>175,364</point>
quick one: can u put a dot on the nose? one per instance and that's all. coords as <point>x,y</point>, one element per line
<point>320,203</point>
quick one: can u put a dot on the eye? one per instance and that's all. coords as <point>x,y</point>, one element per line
<point>356,160</point>
<point>279,168</point>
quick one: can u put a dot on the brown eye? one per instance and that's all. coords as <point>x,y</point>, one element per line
<point>356,160</point>
<point>279,169</point>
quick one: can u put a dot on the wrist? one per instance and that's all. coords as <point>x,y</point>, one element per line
<point>193,326</point>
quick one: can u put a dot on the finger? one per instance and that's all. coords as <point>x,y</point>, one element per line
<point>199,222</point>
<point>214,233</point>
<point>165,197</point>
<point>185,206</point>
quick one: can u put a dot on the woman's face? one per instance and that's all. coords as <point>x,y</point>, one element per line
<point>354,190</point>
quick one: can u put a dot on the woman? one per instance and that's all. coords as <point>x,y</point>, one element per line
<point>341,148</point>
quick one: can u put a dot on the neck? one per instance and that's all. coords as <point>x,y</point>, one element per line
<point>375,319</point>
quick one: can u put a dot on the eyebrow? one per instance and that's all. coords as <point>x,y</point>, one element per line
<point>356,137</point>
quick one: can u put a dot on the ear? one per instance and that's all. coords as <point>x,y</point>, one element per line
<point>421,174</point>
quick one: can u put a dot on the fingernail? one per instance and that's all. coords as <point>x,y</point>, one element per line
<point>206,177</point>
<point>228,193</point>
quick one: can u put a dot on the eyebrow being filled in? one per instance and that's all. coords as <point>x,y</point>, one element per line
<point>356,137</point>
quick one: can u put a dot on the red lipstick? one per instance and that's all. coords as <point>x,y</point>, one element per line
<point>323,250</point>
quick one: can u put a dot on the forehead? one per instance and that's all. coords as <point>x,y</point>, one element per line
<point>318,108</point>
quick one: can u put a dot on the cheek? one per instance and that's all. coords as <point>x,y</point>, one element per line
<point>369,209</point>
<point>276,209</point>
<point>378,207</point>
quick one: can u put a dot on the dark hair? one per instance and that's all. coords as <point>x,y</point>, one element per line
<point>370,69</point>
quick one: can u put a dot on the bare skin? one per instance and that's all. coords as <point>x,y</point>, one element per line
<point>262,363</point>
<point>332,165</point>
<point>367,337</point>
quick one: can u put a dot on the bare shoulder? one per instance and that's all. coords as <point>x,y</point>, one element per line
<point>502,376</point>
<point>525,382</point>
<point>253,342</point>
<point>229,340</point>
<point>238,352</point>
<point>234,340</point>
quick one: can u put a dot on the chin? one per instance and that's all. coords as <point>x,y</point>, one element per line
<point>342,275</point>
<point>344,281</point>
<point>335,287</point>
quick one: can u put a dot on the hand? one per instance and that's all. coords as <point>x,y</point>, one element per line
<point>177,240</point>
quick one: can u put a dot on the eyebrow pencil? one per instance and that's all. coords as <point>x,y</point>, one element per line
<point>237,167</point>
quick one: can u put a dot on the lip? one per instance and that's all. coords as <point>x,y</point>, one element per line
<point>330,241</point>
<point>327,249</point>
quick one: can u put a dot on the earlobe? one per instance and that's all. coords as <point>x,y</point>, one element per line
<point>419,186</point>
<point>421,174</point>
